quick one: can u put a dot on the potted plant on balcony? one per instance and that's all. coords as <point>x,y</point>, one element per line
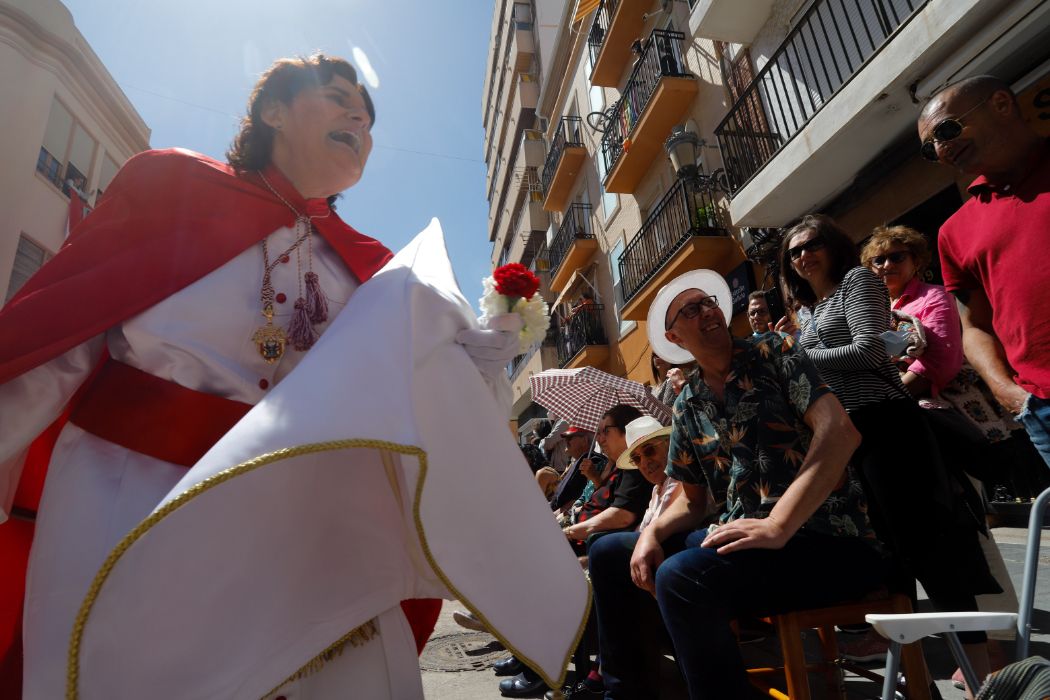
<point>704,216</point>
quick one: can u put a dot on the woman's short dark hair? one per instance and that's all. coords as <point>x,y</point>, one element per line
<point>282,82</point>
<point>622,414</point>
<point>842,256</point>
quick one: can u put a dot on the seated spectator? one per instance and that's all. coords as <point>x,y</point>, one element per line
<point>758,312</point>
<point>619,498</point>
<point>647,447</point>
<point>534,456</point>
<point>914,507</point>
<point>547,479</point>
<point>553,446</point>
<point>758,428</point>
<point>578,444</point>
<point>617,502</point>
<point>668,379</point>
<point>898,255</point>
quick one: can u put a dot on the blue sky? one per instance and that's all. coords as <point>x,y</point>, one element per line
<point>189,66</point>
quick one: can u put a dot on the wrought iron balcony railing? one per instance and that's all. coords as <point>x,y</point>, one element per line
<point>574,226</point>
<point>682,213</point>
<point>600,27</point>
<point>661,56</point>
<point>568,133</point>
<point>829,45</point>
<point>582,329</point>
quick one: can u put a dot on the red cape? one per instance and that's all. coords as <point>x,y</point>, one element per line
<point>167,219</point>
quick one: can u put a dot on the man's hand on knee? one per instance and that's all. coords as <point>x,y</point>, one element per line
<point>747,533</point>
<point>647,557</point>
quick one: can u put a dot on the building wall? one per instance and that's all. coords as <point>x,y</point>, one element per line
<point>42,58</point>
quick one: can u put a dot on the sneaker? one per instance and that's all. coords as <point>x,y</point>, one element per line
<point>467,620</point>
<point>863,648</point>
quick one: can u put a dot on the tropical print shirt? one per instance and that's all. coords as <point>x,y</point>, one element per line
<point>748,450</point>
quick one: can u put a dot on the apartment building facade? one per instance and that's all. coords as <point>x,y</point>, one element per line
<point>67,125</point>
<point>797,105</point>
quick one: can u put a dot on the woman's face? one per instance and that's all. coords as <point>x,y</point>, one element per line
<point>661,368</point>
<point>809,256</point>
<point>896,266</point>
<point>322,137</point>
<point>653,456</point>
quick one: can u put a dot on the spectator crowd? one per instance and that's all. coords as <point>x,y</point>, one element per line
<point>841,450</point>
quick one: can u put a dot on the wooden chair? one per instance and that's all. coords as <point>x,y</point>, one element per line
<point>795,670</point>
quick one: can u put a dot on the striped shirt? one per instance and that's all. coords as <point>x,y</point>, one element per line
<point>843,341</point>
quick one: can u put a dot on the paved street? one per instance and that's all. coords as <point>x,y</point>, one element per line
<point>468,655</point>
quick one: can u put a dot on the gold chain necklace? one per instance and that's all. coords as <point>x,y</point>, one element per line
<point>310,309</point>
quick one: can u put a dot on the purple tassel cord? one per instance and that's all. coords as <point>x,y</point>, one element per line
<point>316,304</point>
<point>301,333</point>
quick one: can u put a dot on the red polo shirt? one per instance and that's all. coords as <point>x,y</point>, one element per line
<point>999,241</point>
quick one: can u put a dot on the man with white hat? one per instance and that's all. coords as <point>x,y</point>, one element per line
<point>757,432</point>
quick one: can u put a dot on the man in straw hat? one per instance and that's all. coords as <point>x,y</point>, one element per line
<point>768,520</point>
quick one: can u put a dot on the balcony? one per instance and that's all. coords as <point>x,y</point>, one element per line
<point>684,232</point>
<point>655,98</point>
<point>617,23</point>
<point>523,45</point>
<point>563,163</point>
<point>733,22</point>
<point>573,245</point>
<point>581,340</point>
<point>787,154</point>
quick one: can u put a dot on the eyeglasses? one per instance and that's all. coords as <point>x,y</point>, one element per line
<point>649,451</point>
<point>693,309</point>
<point>605,430</point>
<point>946,130</point>
<point>812,244</point>
<point>896,258</point>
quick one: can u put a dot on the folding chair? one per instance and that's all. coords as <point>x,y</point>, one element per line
<point>906,629</point>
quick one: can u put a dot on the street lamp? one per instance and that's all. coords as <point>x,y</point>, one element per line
<point>683,148</point>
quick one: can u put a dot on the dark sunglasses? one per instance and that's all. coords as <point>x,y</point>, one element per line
<point>693,309</point>
<point>810,245</point>
<point>649,451</point>
<point>946,130</point>
<point>896,258</point>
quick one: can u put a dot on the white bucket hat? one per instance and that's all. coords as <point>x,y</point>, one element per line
<point>707,281</point>
<point>638,431</point>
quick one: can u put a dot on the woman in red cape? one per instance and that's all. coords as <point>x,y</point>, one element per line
<point>193,289</point>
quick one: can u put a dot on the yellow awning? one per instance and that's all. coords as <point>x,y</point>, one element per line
<point>584,8</point>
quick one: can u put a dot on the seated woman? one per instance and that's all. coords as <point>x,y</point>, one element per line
<point>619,498</point>
<point>899,255</point>
<point>912,504</point>
<point>668,379</point>
<point>647,446</point>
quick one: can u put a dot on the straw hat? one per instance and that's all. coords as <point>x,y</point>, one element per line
<point>637,432</point>
<point>707,281</point>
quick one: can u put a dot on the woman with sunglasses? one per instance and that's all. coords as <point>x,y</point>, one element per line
<point>911,504</point>
<point>898,255</point>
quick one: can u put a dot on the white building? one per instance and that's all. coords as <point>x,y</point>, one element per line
<point>65,119</point>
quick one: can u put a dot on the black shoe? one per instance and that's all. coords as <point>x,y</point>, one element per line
<point>519,686</point>
<point>509,666</point>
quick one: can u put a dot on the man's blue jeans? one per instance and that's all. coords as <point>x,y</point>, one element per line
<point>1035,416</point>
<point>698,593</point>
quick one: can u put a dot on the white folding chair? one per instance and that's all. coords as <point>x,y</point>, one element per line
<point>904,629</point>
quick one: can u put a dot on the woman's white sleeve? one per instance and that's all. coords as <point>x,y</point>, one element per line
<point>31,402</point>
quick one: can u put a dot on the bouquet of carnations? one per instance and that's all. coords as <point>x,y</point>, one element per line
<point>512,290</point>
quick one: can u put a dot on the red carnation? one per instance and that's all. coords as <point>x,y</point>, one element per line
<point>515,280</point>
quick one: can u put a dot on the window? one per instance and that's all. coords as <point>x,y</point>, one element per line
<point>68,151</point>
<point>610,200</point>
<point>614,265</point>
<point>29,257</point>
<point>109,171</point>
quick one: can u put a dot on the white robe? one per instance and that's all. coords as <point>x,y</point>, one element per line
<point>158,599</point>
